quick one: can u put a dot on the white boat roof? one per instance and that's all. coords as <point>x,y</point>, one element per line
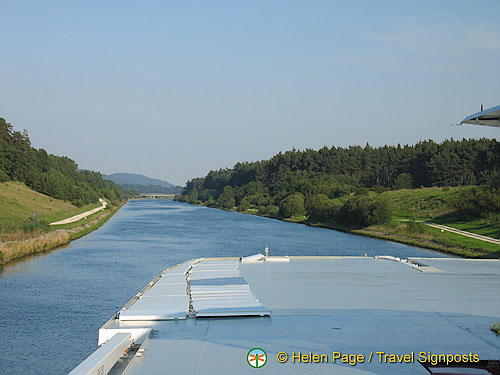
<point>488,117</point>
<point>318,305</point>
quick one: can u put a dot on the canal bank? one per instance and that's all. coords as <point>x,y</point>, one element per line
<point>42,242</point>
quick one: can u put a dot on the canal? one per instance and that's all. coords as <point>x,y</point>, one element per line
<point>52,305</point>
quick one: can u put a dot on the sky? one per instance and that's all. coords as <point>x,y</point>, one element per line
<point>173,89</point>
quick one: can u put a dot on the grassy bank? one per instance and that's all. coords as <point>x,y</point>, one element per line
<point>426,237</point>
<point>436,205</point>
<point>11,250</point>
<point>93,224</point>
<point>40,242</point>
<point>18,203</point>
<point>21,235</point>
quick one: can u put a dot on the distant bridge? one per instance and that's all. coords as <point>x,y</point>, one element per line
<point>157,196</point>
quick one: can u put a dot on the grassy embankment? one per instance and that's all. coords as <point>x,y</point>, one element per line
<point>409,207</point>
<point>437,205</point>
<point>20,235</point>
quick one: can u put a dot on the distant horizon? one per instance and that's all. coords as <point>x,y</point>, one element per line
<point>176,89</point>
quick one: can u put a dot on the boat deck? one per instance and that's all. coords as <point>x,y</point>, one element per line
<point>322,305</point>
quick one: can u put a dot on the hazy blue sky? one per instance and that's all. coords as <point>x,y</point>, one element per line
<point>172,89</point>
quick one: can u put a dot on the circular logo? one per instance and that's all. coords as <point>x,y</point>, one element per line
<point>256,357</point>
<point>282,357</point>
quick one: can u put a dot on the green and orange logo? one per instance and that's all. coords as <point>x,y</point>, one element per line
<point>257,358</point>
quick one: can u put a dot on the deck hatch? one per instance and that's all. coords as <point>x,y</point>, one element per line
<point>157,308</point>
<point>218,290</point>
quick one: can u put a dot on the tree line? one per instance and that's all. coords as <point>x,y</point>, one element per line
<point>310,182</point>
<point>55,176</point>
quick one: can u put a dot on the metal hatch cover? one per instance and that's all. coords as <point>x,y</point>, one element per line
<point>218,290</point>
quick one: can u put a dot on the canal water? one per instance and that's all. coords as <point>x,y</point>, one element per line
<point>52,305</point>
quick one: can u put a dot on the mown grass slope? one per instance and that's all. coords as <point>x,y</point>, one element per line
<point>18,203</point>
<point>438,205</point>
<point>423,203</point>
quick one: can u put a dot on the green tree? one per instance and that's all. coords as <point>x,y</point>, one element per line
<point>380,211</point>
<point>3,176</point>
<point>270,210</point>
<point>365,210</point>
<point>403,181</point>
<point>317,207</point>
<point>292,205</point>
<point>244,204</point>
<point>210,201</point>
<point>193,196</point>
<point>226,199</point>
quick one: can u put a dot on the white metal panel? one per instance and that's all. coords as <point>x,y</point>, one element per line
<point>253,258</point>
<point>157,308</point>
<point>215,265</point>
<point>213,274</point>
<point>210,272</point>
<point>249,301</point>
<point>222,294</point>
<point>166,290</point>
<point>138,335</point>
<point>182,268</point>
<point>172,279</point>
<point>219,297</point>
<point>206,264</point>
<point>213,269</point>
<point>231,311</point>
<point>218,281</point>
<point>284,259</point>
<point>219,292</point>
<point>105,357</point>
<point>220,288</point>
<point>220,261</point>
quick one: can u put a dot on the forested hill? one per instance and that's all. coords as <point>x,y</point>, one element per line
<point>56,176</point>
<point>135,179</point>
<point>336,171</point>
<point>143,184</point>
